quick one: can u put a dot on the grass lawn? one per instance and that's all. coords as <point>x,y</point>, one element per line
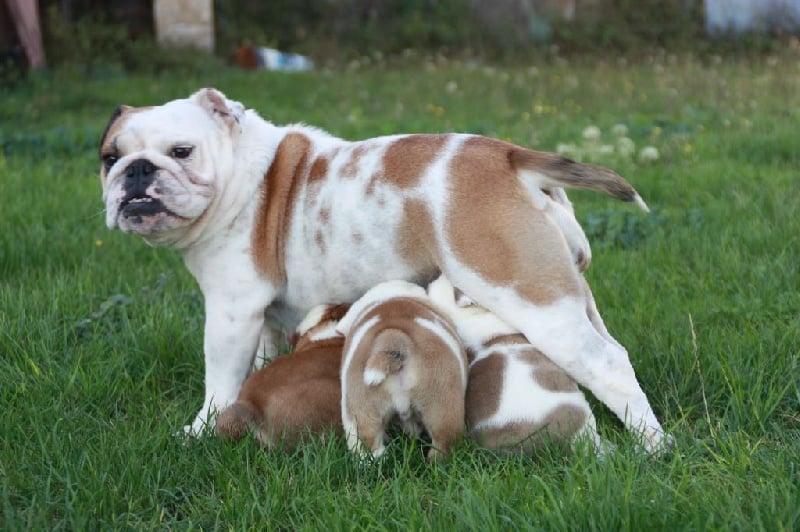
<point>101,335</point>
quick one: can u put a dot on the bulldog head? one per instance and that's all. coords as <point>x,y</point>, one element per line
<point>162,167</point>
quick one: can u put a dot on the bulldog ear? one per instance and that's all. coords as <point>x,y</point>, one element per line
<point>227,112</point>
<point>118,112</point>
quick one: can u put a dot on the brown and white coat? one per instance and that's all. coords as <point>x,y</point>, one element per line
<point>276,220</point>
<point>402,359</point>
<point>516,397</point>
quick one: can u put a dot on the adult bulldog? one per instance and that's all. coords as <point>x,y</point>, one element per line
<point>274,220</point>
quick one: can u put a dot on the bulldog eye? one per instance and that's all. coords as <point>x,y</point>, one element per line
<point>109,160</point>
<point>181,152</point>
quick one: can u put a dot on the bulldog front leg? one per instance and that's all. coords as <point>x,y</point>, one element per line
<point>232,333</point>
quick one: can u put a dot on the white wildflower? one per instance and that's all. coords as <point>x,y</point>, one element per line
<point>619,130</point>
<point>648,154</point>
<point>451,87</point>
<point>605,149</point>
<point>567,150</point>
<point>591,133</point>
<point>626,147</point>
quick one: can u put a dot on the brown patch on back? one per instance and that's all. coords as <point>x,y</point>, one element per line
<point>320,240</point>
<point>277,202</point>
<point>350,168</point>
<point>319,169</point>
<point>546,374</point>
<point>407,158</point>
<point>484,387</point>
<point>416,238</point>
<point>559,427</point>
<point>496,230</point>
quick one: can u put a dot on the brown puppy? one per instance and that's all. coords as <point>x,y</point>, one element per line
<point>402,358</point>
<point>297,394</point>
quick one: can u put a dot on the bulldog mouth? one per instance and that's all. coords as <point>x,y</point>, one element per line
<point>141,206</point>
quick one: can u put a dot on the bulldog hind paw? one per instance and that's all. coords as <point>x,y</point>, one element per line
<point>657,442</point>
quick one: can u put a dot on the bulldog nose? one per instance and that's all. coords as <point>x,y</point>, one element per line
<point>140,167</point>
<point>138,176</point>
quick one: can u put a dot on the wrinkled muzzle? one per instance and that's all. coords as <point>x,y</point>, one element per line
<point>137,200</point>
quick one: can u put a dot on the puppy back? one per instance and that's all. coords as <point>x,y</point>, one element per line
<point>407,333</point>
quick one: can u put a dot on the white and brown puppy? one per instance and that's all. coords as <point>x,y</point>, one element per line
<point>296,395</point>
<point>274,220</point>
<point>402,359</point>
<point>516,397</point>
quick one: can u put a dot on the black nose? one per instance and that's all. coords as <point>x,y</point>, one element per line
<point>138,176</point>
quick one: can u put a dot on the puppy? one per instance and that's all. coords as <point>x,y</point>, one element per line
<point>516,397</point>
<point>274,220</point>
<point>403,358</point>
<point>297,394</point>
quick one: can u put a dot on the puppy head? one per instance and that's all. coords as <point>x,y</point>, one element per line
<point>162,167</point>
<point>319,324</point>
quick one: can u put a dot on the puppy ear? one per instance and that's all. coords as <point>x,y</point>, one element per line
<point>223,110</point>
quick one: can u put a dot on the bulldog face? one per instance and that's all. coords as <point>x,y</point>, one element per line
<point>162,166</point>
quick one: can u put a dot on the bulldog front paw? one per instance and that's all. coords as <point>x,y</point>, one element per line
<point>201,426</point>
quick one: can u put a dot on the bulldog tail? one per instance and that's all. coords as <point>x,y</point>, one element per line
<point>388,355</point>
<point>234,421</point>
<point>545,170</point>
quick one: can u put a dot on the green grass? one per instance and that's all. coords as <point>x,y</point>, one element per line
<point>101,336</point>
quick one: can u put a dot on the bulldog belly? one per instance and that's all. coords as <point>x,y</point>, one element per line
<point>344,272</point>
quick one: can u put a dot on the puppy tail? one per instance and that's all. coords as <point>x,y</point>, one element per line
<point>389,353</point>
<point>234,421</point>
<point>543,170</point>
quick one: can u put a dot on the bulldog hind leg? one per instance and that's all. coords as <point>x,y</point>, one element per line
<point>538,290</point>
<point>563,332</point>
